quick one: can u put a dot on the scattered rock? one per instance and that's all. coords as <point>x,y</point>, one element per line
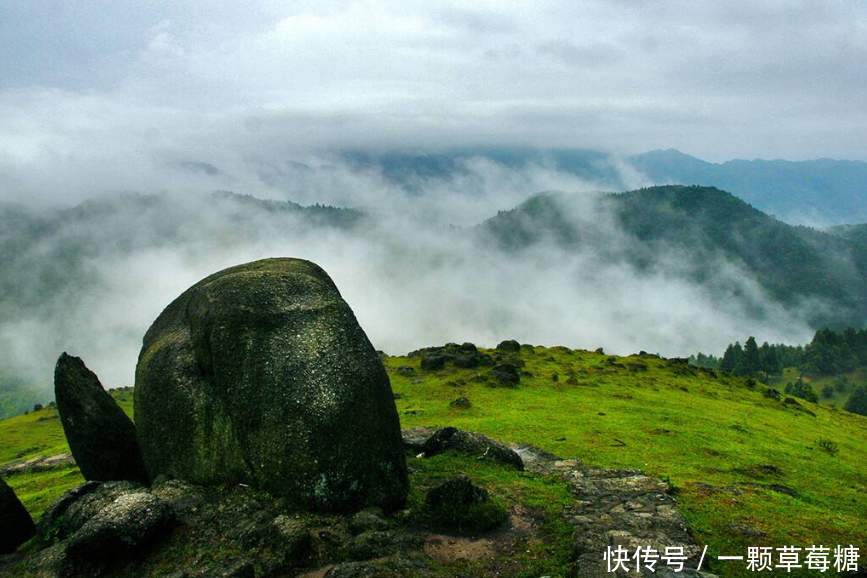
<point>291,540</point>
<point>233,569</point>
<point>465,355</point>
<point>38,464</point>
<point>451,438</point>
<point>400,566</point>
<point>79,505</point>
<point>462,403</point>
<point>414,438</point>
<point>505,374</point>
<point>376,544</point>
<point>405,370</point>
<point>509,345</point>
<point>17,526</point>
<point>747,531</point>
<point>120,530</point>
<point>101,436</point>
<point>432,361</point>
<point>260,374</point>
<point>772,393</point>
<point>367,520</point>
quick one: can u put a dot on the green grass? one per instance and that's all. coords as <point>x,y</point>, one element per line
<point>35,434</point>
<point>675,423</point>
<point>671,421</point>
<point>545,497</point>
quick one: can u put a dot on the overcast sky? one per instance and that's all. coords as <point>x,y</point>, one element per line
<point>106,86</point>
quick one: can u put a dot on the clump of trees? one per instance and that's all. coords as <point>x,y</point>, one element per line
<point>857,402</point>
<point>829,353</point>
<point>748,360</point>
<point>803,390</point>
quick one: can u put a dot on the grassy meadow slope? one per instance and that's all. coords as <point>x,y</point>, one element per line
<point>746,469</point>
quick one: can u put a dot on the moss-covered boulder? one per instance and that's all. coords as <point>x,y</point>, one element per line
<point>101,436</point>
<point>260,374</point>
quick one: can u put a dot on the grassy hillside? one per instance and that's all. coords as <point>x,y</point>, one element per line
<point>742,464</point>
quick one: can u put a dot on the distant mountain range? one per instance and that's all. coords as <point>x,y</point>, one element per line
<point>821,192</point>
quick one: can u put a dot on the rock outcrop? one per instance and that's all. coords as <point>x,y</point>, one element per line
<point>624,508</point>
<point>467,442</point>
<point>17,526</point>
<point>121,529</point>
<point>101,436</point>
<point>260,374</point>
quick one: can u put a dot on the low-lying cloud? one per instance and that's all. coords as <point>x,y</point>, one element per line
<point>93,281</point>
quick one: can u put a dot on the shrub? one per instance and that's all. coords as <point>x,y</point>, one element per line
<point>459,504</point>
<point>827,446</point>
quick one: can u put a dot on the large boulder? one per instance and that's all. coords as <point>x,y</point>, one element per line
<point>260,374</point>
<point>101,436</point>
<point>17,526</point>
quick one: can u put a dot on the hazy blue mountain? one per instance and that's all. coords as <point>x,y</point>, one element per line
<point>819,192</point>
<point>822,191</point>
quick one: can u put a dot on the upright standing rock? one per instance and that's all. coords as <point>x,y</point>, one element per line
<point>101,436</point>
<point>16,526</point>
<point>260,374</point>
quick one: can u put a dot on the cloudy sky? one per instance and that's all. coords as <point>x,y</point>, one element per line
<point>110,87</point>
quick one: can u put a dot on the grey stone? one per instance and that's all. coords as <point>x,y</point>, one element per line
<point>260,374</point>
<point>101,436</point>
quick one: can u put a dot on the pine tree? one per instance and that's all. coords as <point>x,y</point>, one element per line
<point>750,363</point>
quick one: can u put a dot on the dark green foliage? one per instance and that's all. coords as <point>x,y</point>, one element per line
<point>803,390</point>
<point>829,447</point>
<point>702,360</point>
<point>828,391</point>
<point>829,353</point>
<point>748,361</point>
<point>459,504</point>
<point>857,402</point>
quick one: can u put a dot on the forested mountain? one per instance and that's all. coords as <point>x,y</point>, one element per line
<point>857,233</point>
<point>706,232</point>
